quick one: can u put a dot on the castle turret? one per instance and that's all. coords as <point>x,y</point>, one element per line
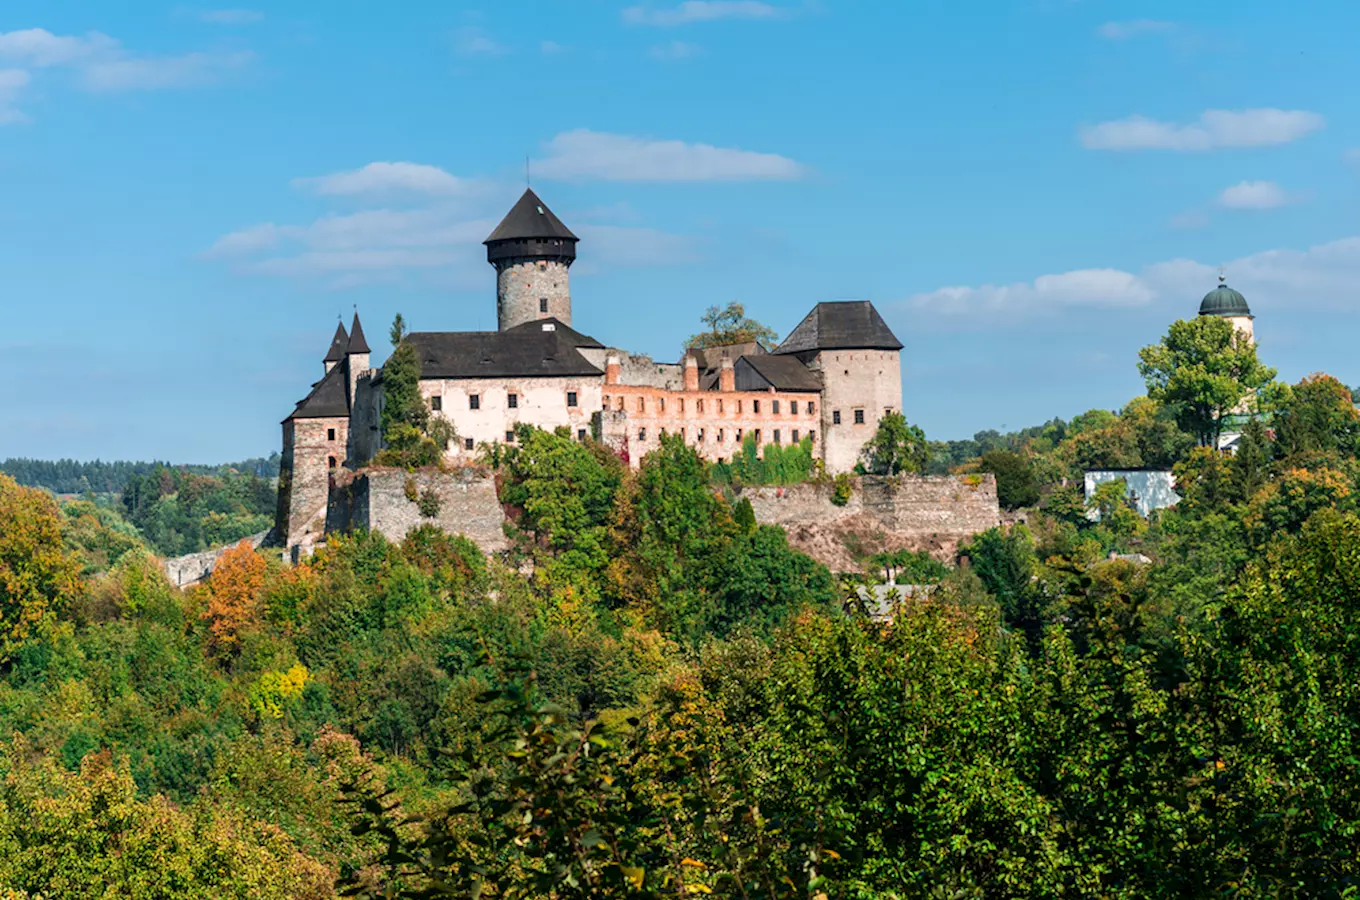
<point>532,251</point>
<point>1229,304</point>
<point>357,355</point>
<point>336,354</point>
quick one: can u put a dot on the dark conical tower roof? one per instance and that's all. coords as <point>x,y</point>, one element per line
<point>357,343</point>
<point>530,218</point>
<point>338,344</point>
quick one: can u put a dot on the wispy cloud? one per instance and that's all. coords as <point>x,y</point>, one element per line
<point>12,83</point>
<point>471,40</point>
<point>1319,277</point>
<point>149,73</point>
<point>102,63</point>
<point>700,11</point>
<point>379,178</point>
<point>592,155</point>
<point>1123,31</point>
<point>1255,195</point>
<point>551,48</point>
<point>1216,128</point>
<point>675,50</point>
<point>230,16</point>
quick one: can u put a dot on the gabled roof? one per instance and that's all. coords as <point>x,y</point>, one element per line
<point>357,343</point>
<point>338,344</point>
<point>842,325</point>
<point>517,353</point>
<point>712,357</point>
<point>568,334</point>
<point>329,397</point>
<point>783,373</point>
<point>530,218</point>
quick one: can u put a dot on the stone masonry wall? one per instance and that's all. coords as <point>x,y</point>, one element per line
<point>931,513</point>
<point>376,499</point>
<point>312,450</point>
<point>522,284</point>
<point>194,567</point>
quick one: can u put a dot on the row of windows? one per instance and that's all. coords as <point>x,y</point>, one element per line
<point>511,401</point>
<point>859,416</point>
<point>700,435</point>
<point>809,407</point>
<point>469,444</point>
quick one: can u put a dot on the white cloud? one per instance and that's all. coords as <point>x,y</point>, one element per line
<point>700,11</point>
<point>149,73</point>
<point>391,177</point>
<point>1321,277</point>
<point>40,48</point>
<point>230,16</point>
<point>473,41</point>
<point>549,48</point>
<point>1254,195</point>
<point>584,154</point>
<point>1216,128</point>
<point>675,50</point>
<point>1123,31</point>
<point>12,83</point>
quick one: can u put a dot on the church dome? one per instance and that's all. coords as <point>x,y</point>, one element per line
<point>1224,301</point>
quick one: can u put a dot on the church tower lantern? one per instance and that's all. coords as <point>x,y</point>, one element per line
<point>1229,304</point>
<point>532,251</point>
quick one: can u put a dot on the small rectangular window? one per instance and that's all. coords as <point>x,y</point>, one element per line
<point>835,417</point>
<point>811,408</point>
<point>793,407</point>
<point>812,436</point>
<point>776,436</point>
<point>757,435</point>
<point>330,461</point>
<point>512,401</point>
<point>774,407</point>
<point>738,407</point>
<point>720,435</point>
<point>474,401</point>
<point>682,405</point>
<point>467,443</point>
<point>700,437</point>
<point>571,398</point>
<point>795,435</point>
<point>859,417</point>
<point>580,434</point>
<point>436,403</point>
<point>698,406</point>
<point>755,406</point>
<point>642,404</point>
<point>720,407</point>
<point>330,434</point>
<point>662,404</point>
<point>887,410</point>
<point>642,435</point>
<point>509,437</point>
<point>542,304</point>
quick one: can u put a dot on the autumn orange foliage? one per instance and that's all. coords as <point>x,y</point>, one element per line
<point>234,591</point>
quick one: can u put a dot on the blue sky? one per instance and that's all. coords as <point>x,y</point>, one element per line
<point>1029,191</point>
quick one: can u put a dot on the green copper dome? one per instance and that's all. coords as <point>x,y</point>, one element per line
<point>1224,301</point>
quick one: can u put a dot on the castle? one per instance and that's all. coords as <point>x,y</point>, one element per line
<point>830,381</point>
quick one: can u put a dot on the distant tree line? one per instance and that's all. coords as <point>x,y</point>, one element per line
<point>71,476</point>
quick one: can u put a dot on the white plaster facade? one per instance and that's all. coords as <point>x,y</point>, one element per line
<point>542,402</point>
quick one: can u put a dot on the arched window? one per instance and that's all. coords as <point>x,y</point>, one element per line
<point>330,462</point>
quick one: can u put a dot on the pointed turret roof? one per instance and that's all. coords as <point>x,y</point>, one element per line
<point>338,344</point>
<point>357,343</point>
<point>530,218</point>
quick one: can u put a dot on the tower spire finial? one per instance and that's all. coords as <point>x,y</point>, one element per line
<point>1222,274</point>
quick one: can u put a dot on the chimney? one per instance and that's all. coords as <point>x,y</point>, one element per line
<point>727,376</point>
<point>612,370</point>
<point>691,372</point>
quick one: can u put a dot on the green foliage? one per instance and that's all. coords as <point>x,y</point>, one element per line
<point>75,477</point>
<point>730,325</point>
<point>409,439</point>
<point>1317,416</point>
<point>1202,371</point>
<point>909,567</point>
<point>1016,485</point>
<point>179,512</point>
<point>778,464</point>
<point>896,448</point>
<point>842,489</point>
<point>429,504</point>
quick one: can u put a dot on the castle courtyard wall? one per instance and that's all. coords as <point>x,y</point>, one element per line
<point>378,499</point>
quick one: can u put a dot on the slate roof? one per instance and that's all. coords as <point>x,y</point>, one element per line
<point>568,334</point>
<point>530,218</point>
<point>329,397</point>
<point>518,353</point>
<point>357,343</point>
<point>842,325</point>
<point>785,373</point>
<point>338,344</point>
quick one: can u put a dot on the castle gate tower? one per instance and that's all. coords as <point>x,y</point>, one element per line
<point>531,250</point>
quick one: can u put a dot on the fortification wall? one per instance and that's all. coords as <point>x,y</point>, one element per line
<point>377,499</point>
<point>931,513</point>
<point>194,567</point>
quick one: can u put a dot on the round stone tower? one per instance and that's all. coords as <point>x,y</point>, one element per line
<point>1229,304</point>
<point>532,251</point>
